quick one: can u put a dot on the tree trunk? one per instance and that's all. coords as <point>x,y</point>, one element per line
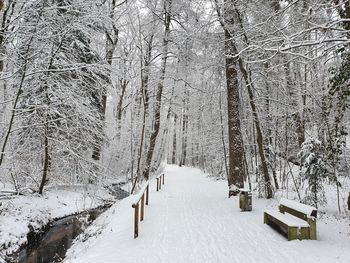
<point>123,85</point>
<point>19,91</point>
<point>46,160</point>
<point>145,74</point>
<point>13,113</point>
<point>173,159</point>
<point>275,5</point>
<point>139,157</point>
<point>267,105</point>
<point>165,136</point>
<point>8,11</point>
<point>158,103</point>
<point>146,71</point>
<point>259,135</point>
<point>112,40</point>
<point>223,135</point>
<point>236,153</point>
<point>184,128</point>
<point>268,129</point>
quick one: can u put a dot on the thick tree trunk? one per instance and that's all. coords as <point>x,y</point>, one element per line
<point>236,172</point>
<point>259,135</point>
<point>158,103</point>
<point>236,162</point>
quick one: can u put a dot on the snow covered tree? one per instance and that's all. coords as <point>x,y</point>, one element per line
<point>316,171</point>
<point>58,117</point>
<point>236,173</point>
<point>167,10</point>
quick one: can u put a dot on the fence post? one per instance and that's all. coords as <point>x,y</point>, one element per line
<point>157,184</point>
<point>163,179</point>
<point>136,221</point>
<point>147,194</point>
<point>142,206</point>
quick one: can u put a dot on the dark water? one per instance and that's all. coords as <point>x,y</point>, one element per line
<point>51,245</point>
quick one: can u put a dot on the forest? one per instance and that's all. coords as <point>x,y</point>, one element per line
<point>102,93</point>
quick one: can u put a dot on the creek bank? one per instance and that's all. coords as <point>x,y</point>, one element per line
<point>50,243</point>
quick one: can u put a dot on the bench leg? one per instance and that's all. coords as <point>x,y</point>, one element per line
<point>292,233</point>
<point>298,233</point>
<point>313,234</point>
<point>265,218</point>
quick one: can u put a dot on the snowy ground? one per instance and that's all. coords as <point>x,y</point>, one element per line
<point>192,220</point>
<point>18,212</point>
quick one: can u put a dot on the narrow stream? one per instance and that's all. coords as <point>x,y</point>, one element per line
<point>51,246</point>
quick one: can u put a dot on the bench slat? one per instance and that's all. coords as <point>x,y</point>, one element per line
<point>282,226</point>
<point>304,209</point>
<point>287,219</point>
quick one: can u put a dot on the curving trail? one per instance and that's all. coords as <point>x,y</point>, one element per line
<point>192,220</point>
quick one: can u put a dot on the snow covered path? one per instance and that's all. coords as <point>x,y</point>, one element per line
<point>192,220</point>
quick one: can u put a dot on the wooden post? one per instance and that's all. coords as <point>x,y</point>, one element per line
<point>136,220</point>
<point>157,184</point>
<point>349,202</point>
<point>160,183</point>
<point>142,206</point>
<point>312,230</point>
<point>163,179</point>
<point>147,194</point>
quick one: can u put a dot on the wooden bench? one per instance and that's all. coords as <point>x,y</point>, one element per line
<point>296,220</point>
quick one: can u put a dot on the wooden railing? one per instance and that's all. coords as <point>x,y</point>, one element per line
<point>140,200</point>
<point>160,181</point>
